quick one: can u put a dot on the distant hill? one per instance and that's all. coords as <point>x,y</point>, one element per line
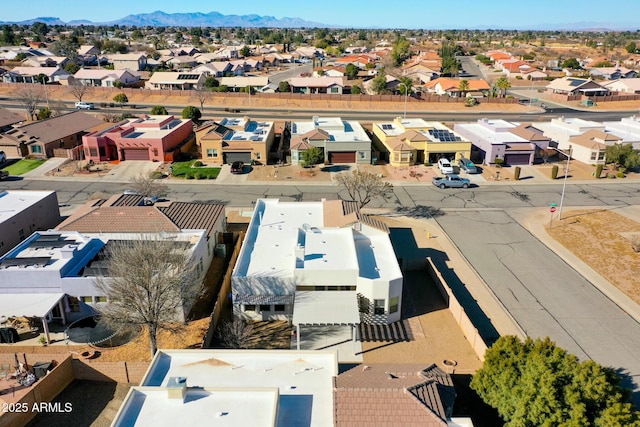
<point>197,19</point>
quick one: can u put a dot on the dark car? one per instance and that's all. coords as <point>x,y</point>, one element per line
<point>237,167</point>
<point>467,166</point>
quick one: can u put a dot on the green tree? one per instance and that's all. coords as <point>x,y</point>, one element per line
<point>120,98</point>
<point>8,37</point>
<point>211,82</point>
<point>571,63</point>
<point>536,383</point>
<point>312,156</point>
<point>44,113</point>
<point>191,112</point>
<point>463,87</point>
<point>503,84</point>
<point>356,90</point>
<point>159,110</point>
<point>622,155</point>
<point>631,47</point>
<point>602,64</point>
<point>379,83</point>
<point>245,51</point>
<point>71,68</point>
<point>401,51</point>
<point>363,186</point>
<point>284,86</point>
<point>405,85</point>
<point>351,71</point>
<point>42,78</point>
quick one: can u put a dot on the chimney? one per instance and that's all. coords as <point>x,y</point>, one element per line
<point>177,388</point>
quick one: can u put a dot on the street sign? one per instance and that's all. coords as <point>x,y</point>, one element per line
<point>552,209</point>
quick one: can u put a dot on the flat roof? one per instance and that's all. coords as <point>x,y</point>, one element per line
<point>489,135</point>
<point>326,307</point>
<point>13,202</point>
<point>235,379</point>
<point>338,129</point>
<point>36,305</point>
<point>202,407</point>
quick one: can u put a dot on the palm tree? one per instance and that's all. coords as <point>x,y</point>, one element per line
<point>463,87</point>
<point>503,84</point>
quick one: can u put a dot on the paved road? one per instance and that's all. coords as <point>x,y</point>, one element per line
<point>545,295</point>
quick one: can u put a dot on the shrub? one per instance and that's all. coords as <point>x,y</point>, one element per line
<point>498,162</point>
<point>518,77</point>
<point>599,171</point>
<point>620,174</point>
<point>611,176</point>
<point>188,176</point>
<point>200,175</point>
<point>470,102</point>
<point>156,175</point>
<point>516,173</point>
<point>197,164</point>
<point>554,172</point>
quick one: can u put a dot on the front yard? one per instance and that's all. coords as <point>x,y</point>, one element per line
<point>193,169</point>
<point>22,166</point>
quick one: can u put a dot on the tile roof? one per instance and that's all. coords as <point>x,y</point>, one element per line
<point>393,394</point>
<point>59,127</point>
<point>8,118</point>
<point>528,132</point>
<point>122,213</point>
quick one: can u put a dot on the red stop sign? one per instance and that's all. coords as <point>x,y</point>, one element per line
<point>552,209</point>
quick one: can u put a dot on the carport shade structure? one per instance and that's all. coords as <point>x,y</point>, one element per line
<point>326,308</point>
<point>34,305</point>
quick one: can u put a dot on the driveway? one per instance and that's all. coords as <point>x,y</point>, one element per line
<point>544,294</point>
<point>126,171</point>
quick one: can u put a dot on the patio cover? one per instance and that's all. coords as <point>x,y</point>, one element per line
<point>326,308</point>
<point>36,305</point>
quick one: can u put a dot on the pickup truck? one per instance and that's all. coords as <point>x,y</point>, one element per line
<point>450,180</point>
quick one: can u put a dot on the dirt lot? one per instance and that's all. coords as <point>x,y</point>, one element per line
<point>601,239</point>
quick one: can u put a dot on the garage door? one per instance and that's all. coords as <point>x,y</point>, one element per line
<point>136,154</point>
<point>342,157</point>
<point>237,157</point>
<point>517,159</point>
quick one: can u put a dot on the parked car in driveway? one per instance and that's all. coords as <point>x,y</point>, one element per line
<point>237,167</point>
<point>450,180</point>
<point>467,165</point>
<point>4,174</point>
<point>3,157</point>
<point>445,166</point>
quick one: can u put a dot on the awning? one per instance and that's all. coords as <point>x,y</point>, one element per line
<point>326,308</point>
<point>31,305</point>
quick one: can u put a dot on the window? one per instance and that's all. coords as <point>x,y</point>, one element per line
<point>378,306</point>
<point>74,304</point>
<point>334,90</point>
<point>101,299</point>
<point>93,151</point>
<point>21,233</point>
<point>265,307</point>
<point>393,304</point>
<point>601,155</point>
<point>278,308</point>
<point>36,149</point>
<point>212,152</point>
<point>249,307</point>
<point>363,154</point>
<point>86,300</point>
<point>594,156</point>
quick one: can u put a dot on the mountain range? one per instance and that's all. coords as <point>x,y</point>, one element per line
<point>196,19</point>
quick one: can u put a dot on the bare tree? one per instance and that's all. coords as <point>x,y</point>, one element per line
<point>147,186</point>
<point>363,186</point>
<point>235,333</point>
<point>202,95</point>
<point>78,90</point>
<point>149,282</point>
<point>30,97</point>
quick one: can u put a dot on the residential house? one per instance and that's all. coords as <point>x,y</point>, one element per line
<point>329,71</point>
<point>8,120</point>
<point>129,61</point>
<point>613,73</point>
<point>590,147</point>
<point>561,129</point>
<point>391,85</point>
<point>409,141</point>
<point>235,139</point>
<point>179,62</point>
<point>105,78</point>
<point>214,69</point>
<point>23,212</point>
<point>627,85</point>
<point>309,85</point>
<point>52,137</point>
<point>341,141</point>
<point>627,129</point>
<point>360,61</point>
<point>45,61</point>
<point>87,50</point>
<point>451,87</point>
<point>156,138</point>
<point>162,80</point>
<point>234,84</point>
<point>385,394</point>
<point>515,144</point>
<point>534,74</point>
<point>316,263</point>
<point>30,74</point>
<point>274,388</point>
<point>576,86</point>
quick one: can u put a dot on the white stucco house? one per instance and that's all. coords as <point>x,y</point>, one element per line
<point>316,263</point>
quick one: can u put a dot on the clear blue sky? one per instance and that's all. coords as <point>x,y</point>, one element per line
<point>354,13</point>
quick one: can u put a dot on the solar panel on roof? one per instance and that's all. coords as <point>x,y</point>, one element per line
<point>49,237</point>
